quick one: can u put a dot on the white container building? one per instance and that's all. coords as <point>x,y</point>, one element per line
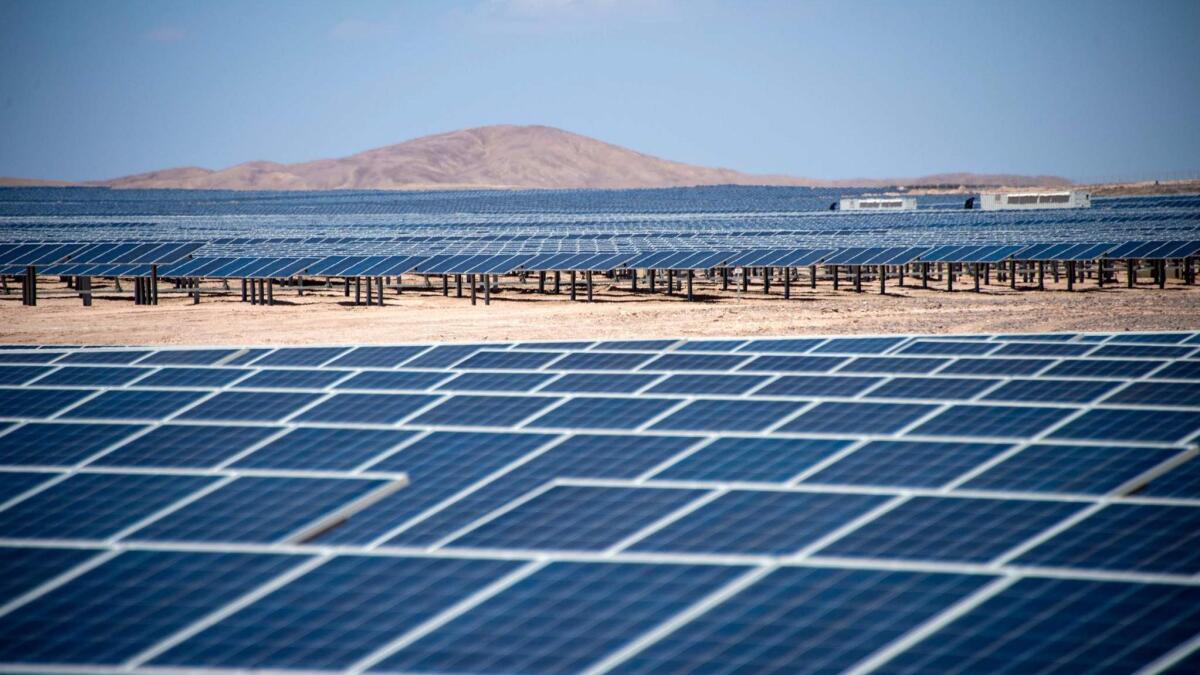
<point>877,204</point>
<point>1063,199</point>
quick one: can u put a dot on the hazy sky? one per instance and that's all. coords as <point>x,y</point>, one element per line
<point>1089,90</point>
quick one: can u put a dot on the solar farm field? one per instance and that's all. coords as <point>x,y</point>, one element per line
<point>886,503</point>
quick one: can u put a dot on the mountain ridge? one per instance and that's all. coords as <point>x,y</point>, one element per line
<point>504,157</point>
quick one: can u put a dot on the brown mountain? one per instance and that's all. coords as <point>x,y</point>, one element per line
<point>502,156</point>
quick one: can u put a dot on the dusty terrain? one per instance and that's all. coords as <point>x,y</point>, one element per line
<point>518,313</point>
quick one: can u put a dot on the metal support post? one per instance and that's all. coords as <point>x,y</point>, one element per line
<point>589,284</point>
<point>787,283</point>
<point>572,285</point>
<point>487,289</point>
<point>924,275</point>
<point>358,290</point>
<point>154,284</point>
<point>690,273</point>
<point>270,284</point>
<point>471,283</point>
<point>858,278</point>
<point>542,282</point>
<point>883,279</point>
<point>836,277</point>
<point>812,276</point>
<point>1070,275</point>
<point>445,286</point>
<point>766,275</point>
<point>1041,275</point>
<point>458,285</point>
<point>670,282</point>
<point>558,280</point>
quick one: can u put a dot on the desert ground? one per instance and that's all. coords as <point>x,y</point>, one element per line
<point>518,312</point>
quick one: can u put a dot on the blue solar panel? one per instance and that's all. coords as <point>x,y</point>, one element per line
<point>712,346</point>
<point>601,361</point>
<point>323,449</point>
<point>727,415</point>
<point>20,374</point>
<point>1089,469</point>
<point>1042,349</point>
<point>15,483</point>
<point>771,460</point>
<point>794,364</point>
<point>605,413</point>
<point>193,377</point>
<point>94,505</point>
<point>149,404</point>
<point>805,620</point>
<point>695,362</point>
<point>948,348</point>
<point>291,379</point>
<point>992,420</point>
<point>359,603</point>
<point>38,402</point>
<point>256,509</point>
<point>895,364</point>
<point>949,529</point>
<point>185,446</point>
<point>366,408</point>
<point>1159,393</point>
<point>483,411</point>
<point>26,568</point>
<point>834,417</point>
<point>1135,537</point>
<point>634,345</point>
<point>1060,625</point>
<point>933,388</point>
<point>111,613</point>
<point>518,360</point>
<point>707,384</point>
<point>299,356</point>
<point>577,518</point>
<point>1182,481</point>
<point>582,456</point>
<point>562,618</point>
<point>1115,424</point>
<point>187,357</point>
<point>88,376</point>
<point>907,463</point>
<point>59,444</point>
<point>400,380</point>
<point>442,357</point>
<point>1051,391</point>
<point>600,383</point>
<point>438,465</point>
<point>795,346</point>
<point>754,522</point>
<point>250,406</point>
<point>818,385</point>
<point>496,381</point>
<point>969,366</point>
<point>376,357</point>
<point>1102,368</point>
<point>1143,351</point>
<point>859,345</point>
<point>1179,370</point>
<point>103,357</point>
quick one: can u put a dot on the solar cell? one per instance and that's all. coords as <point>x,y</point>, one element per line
<point>601,361</point>
<point>94,505</point>
<point>727,415</point>
<point>576,518</point>
<point>1181,481</point>
<point>707,384</point>
<point>400,380</point>
<point>563,618</point>
<point>818,385</point>
<point>805,620</point>
<point>899,364</point>
<point>711,346</point>
<point>1115,424</point>
<point>752,459</point>
<point>323,449</point>
<point>907,463</point>
<point>27,568</point>
<point>103,357</point>
<point>185,446</point>
<point>604,413</point>
<point>1051,391</point>
<point>134,404</point>
<point>796,364</point>
<point>1178,370</point>
<point>852,345</point>
<point>933,388</point>
<point>970,366</point>
<point>634,345</point>
<point>17,403</point>
<point>833,417</point>
<point>1089,469</point>
<point>93,376</point>
<point>376,357</point>
<point>276,378</point>
<point>193,377</point>
<point>793,346</point>
<point>600,383</point>
<point>20,374</point>
<point>187,357</point>
<point>483,411</point>
<point>992,420</point>
<point>250,406</point>
<point>126,605</point>
<point>1102,368</point>
<point>443,356</point>
<point>581,456</point>
<point>438,466</point>
<point>336,614</point>
<point>695,362</point>
<point>1042,349</point>
<point>759,522</point>
<point>366,408</point>
<point>1158,393</point>
<point>947,348</point>
<point>59,444</point>
<point>1135,537</point>
<point>15,483</point>
<point>257,509</point>
<point>299,356</point>
<point>1143,351</point>
<point>517,360</point>
<point>951,529</point>
<point>496,381</point>
<point>1060,625</point>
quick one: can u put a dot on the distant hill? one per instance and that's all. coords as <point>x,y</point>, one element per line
<point>506,156</point>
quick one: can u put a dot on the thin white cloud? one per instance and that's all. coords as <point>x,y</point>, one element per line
<point>165,34</point>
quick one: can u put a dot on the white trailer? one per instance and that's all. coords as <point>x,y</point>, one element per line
<point>1062,199</point>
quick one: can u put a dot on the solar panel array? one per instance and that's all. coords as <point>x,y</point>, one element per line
<point>322,235</point>
<point>1017,503</point>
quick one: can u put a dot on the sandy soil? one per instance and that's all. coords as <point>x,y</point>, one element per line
<point>519,313</point>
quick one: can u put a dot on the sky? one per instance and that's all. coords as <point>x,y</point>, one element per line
<point>1090,90</point>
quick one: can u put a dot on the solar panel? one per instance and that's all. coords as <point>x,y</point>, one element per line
<point>744,504</point>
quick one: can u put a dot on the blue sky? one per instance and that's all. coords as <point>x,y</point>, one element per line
<point>1089,90</point>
